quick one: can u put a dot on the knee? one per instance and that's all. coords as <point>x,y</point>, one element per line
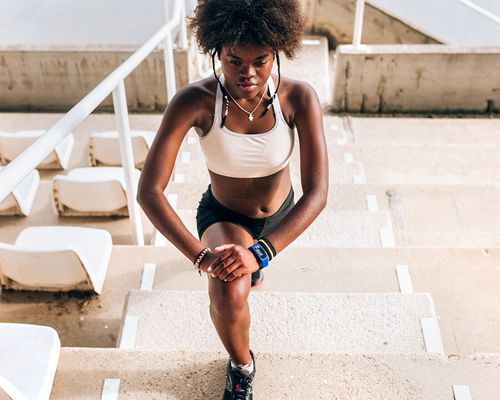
<point>228,302</point>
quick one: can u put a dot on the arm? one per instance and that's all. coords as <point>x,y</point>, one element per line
<point>183,112</point>
<point>308,119</point>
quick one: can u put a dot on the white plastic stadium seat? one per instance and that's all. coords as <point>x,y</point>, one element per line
<point>20,200</point>
<point>99,191</point>
<point>104,148</point>
<point>28,362</point>
<point>14,143</point>
<point>56,258</point>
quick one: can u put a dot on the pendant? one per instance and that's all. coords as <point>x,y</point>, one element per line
<point>250,117</point>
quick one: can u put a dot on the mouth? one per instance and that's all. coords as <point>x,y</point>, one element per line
<point>247,87</point>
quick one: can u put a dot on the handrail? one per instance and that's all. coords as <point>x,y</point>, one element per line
<point>483,11</point>
<point>29,159</point>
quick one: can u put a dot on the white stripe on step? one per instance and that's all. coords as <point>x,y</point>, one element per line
<point>360,179</point>
<point>311,42</point>
<point>172,199</point>
<point>348,158</point>
<point>387,236</point>
<point>432,336</point>
<point>404,279</point>
<point>129,332</point>
<point>461,392</point>
<point>179,177</point>
<point>148,277</point>
<point>371,202</point>
<point>110,389</point>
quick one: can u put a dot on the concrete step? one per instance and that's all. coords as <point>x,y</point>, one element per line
<point>82,374</point>
<point>420,131</point>
<point>333,229</point>
<point>428,164</point>
<point>462,282</point>
<point>403,198</point>
<point>455,214</point>
<point>284,322</point>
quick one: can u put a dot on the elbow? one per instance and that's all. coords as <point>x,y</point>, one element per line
<point>145,198</point>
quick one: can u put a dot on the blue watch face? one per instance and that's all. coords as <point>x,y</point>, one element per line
<point>260,251</point>
<point>261,254</point>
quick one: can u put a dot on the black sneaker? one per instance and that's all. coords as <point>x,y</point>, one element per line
<point>238,386</point>
<point>257,278</point>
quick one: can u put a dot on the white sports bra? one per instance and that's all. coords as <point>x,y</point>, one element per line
<point>240,155</point>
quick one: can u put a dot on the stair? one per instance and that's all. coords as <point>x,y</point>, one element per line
<point>139,374</point>
<point>391,294</point>
<point>285,322</point>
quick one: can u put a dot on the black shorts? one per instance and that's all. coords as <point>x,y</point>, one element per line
<point>211,211</point>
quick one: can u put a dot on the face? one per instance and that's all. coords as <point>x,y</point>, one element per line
<point>246,69</point>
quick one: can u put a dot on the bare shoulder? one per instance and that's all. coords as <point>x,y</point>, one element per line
<point>196,96</point>
<point>295,96</point>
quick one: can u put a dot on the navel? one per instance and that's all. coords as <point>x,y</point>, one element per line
<point>264,209</point>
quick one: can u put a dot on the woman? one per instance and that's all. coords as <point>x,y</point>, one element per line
<point>245,119</point>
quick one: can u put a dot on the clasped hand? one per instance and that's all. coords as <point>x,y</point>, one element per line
<point>229,262</point>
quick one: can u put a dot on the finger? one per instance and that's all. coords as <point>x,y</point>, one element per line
<point>221,257</point>
<point>226,272</point>
<point>223,247</point>
<point>235,274</point>
<point>223,265</point>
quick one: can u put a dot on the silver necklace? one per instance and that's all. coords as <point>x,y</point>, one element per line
<point>250,113</point>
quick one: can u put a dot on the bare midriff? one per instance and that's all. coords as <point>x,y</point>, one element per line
<point>253,197</point>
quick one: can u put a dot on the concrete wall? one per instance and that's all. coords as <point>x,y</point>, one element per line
<point>434,78</point>
<point>335,19</point>
<point>56,79</point>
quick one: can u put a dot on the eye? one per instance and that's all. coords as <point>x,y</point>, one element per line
<point>261,63</point>
<point>234,62</point>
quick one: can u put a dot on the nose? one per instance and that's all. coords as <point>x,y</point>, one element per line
<point>247,71</point>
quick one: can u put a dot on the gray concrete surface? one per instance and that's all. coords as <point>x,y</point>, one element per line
<point>428,164</point>
<point>192,376</point>
<point>469,323</point>
<point>286,322</point>
<point>432,78</point>
<point>421,131</point>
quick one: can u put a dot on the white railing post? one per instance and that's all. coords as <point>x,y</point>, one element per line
<point>358,23</point>
<point>121,113</point>
<point>183,39</point>
<point>168,56</point>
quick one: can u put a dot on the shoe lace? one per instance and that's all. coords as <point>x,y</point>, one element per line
<point>242,389</point>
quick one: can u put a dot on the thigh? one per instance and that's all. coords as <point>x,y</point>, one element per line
<point>227,233</point>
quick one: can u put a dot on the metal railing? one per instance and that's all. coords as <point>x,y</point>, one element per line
<point>29,159</point>
<point>360,10</point>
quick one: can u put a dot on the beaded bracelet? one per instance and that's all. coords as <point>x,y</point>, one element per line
<point>197,261</point>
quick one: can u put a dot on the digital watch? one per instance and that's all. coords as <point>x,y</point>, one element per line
<point>260,254</point>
